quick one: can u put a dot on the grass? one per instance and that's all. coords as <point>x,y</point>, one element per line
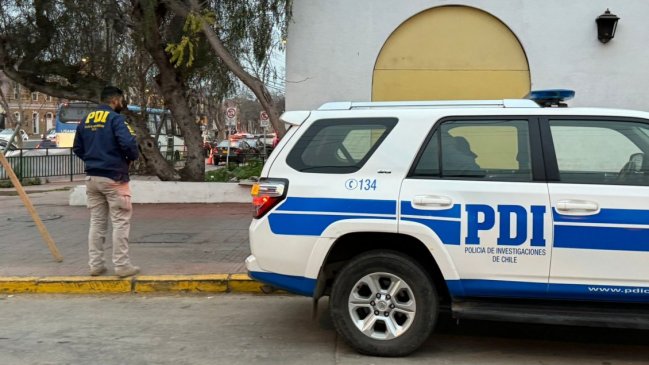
<point>24,182</point>
<point>242,172</point>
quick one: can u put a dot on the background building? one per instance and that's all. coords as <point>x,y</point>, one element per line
<point>465,49</point>
<point>37,111</point>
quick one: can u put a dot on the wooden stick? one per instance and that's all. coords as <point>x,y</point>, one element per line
<point>30,208</point>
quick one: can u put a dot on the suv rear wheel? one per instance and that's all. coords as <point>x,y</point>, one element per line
<point>384,304</point>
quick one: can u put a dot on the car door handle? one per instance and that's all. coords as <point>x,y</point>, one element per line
<point>577,206</point>
<point>432,200</point>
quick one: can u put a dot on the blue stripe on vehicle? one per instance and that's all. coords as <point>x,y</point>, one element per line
<point>466,288</point>
<point>610,216</point>
<point>294,284</point>
<point>308,224</point>
<point>453,212</point>
<point>496,288</point>
<point>601,238</point>
<point>361,206</point>
<point>599,293</point>
<point>447,231</point>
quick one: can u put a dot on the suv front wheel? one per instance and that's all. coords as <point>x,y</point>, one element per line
<point>383,303</point>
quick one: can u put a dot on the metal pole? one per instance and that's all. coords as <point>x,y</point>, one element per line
<point>71,165</point>
<point>20,165</point>
<point>264,143</point>
<point>227,157</point>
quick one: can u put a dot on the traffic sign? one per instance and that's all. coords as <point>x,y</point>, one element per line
<point>230,116</point>
<point>264,121</point>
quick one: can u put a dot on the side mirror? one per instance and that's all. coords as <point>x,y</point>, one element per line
<point>636,161</point>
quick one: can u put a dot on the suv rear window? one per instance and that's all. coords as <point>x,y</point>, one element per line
<point>339,146</point>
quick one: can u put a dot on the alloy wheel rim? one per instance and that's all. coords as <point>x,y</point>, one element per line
<point>382,306</point>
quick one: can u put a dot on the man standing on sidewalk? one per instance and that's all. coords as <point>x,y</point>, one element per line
<point>106,143</point>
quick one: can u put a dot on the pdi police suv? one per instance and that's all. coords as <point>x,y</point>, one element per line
<point>498,210</point>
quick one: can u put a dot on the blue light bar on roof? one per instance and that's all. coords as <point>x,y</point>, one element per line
<point>551,97</point>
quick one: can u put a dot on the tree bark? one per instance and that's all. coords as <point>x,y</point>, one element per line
<point>150,151</point>
<point>172,88</point>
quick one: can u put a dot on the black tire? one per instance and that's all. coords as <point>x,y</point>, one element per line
<point>419,283</point>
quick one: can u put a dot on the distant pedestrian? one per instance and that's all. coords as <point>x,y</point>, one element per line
<point>106,143</point>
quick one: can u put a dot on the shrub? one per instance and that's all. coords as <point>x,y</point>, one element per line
<point>24,182</point>
<point>243,172</point>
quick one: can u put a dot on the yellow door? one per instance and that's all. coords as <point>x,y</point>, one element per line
<point>451,52</point>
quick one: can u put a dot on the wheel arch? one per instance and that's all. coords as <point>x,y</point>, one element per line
<point>352,244</point>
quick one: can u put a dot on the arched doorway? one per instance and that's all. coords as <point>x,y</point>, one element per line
<point>451,52</point>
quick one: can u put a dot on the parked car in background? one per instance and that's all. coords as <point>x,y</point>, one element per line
<point>50,135</point>
<point>265,141</point>
<point>46,143</point>
<point>7,133</point>
<point>267,138</point>
<point>239,152</point>
<point>256,144</point>
<point>3,145</point>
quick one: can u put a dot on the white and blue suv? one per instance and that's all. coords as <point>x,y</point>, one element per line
<point>502,210</point>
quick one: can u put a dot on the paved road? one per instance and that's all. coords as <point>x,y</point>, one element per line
<point>236,329</point>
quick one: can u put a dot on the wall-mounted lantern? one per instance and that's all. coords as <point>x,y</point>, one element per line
<point>606,26</point>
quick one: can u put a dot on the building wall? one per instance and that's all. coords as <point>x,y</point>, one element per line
<point>26,106</point>
<point>333,47</point>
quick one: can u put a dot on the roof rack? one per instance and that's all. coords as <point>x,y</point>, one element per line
<point>504,103</point>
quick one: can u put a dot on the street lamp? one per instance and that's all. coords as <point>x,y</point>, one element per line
<point>606,26</point>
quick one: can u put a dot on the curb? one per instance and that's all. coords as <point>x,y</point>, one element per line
<point>212,283</point>
<point>13,192</point>
<point>175,192</point>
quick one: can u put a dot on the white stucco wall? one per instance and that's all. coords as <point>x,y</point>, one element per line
<point>333,45</point>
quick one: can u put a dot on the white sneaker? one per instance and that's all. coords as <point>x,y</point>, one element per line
<point>98,271</point>
<point>123,272</point>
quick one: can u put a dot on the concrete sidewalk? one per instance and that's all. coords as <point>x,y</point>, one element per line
<point>185,247</point>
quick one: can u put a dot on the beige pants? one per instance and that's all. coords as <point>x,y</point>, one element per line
<point>105,196</point>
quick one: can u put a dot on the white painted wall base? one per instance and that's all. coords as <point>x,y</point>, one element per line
<point>148,192</point>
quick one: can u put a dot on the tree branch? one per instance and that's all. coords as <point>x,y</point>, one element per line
<point>253,83</point>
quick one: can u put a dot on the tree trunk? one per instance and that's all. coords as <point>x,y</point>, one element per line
<point>172,88</point>
<point>153,159</point>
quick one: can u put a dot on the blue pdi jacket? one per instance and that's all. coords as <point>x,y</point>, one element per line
<point>106,143</point>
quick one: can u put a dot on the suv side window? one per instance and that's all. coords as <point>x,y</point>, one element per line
<point>601,152</point>
<point>495,150</point>
<point>339,146</point>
